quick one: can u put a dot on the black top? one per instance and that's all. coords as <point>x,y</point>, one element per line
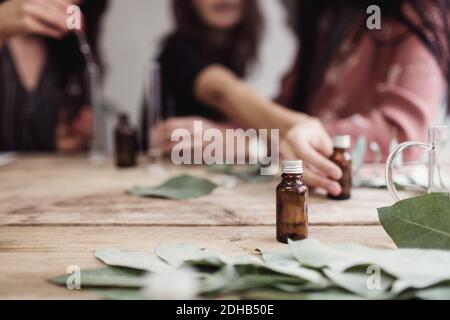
<point>28,119</point>
<point>182,60</point>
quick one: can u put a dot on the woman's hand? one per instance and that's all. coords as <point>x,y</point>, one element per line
<point>41,17</point>
<point>310,142</point>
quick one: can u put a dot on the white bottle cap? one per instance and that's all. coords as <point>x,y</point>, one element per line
<point>342,142</point>
<point>293,167</point>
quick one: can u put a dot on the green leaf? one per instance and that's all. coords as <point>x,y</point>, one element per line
<point>132,259</point>
<point>248,173</point>
<point>422,222</point>
<point>357,282</point>
<point>232,280</point>
<point>283,262</point>
<point>181,188</point>
<point>256,281</point>
<point>177,255</point>
<point>105,277</point>
<point>333,294</point>
<point>221,169</point>
<point>435,293</point>
<point>281,258</point>
<point>253,175</point>
<point>121,294</point>
<point>416,269</point>
<point>311,253</point>
<point>216,283</point>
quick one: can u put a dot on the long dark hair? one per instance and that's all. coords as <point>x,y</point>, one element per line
<point>432,30</point>
<point>242,42</point>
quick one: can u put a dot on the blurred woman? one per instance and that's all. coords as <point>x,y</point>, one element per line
<point>43,94</point>
<point>379,84</point>
<point>204,61</point>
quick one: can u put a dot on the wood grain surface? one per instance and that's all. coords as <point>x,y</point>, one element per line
<point>55,211</point>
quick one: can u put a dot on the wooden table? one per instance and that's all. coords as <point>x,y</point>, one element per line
<point>55,211</point>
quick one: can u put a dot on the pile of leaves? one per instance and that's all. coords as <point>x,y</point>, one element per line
<point>304,270</point>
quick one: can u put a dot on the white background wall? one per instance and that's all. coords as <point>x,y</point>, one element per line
<point>133,30</point>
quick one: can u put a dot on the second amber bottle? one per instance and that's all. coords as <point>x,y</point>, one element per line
<point>342,157</point>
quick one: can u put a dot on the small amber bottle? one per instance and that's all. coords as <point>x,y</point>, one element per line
<point>292,209</point>
<point>342,157</point>
<point>125,143</point>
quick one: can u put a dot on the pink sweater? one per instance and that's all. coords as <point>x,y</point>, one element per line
<point>380,91</point>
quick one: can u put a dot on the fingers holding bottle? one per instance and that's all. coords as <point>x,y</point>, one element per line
<point>41,17</point>
<point>310,142</point>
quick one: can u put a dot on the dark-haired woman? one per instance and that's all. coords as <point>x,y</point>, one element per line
<point>376,83</point>
<point>203,63</point>
<point>43,94</point>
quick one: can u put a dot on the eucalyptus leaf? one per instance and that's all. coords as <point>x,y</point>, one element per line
<point>280,258</point>
<point>226,169</point>
<point>357,283</point>
<point>180,188</point>
<point>132,259</point>
<point>231,280</point>
<point>216,283</point>
<point>413,269</point>
<point>249,173</point>
<point>249,273</point>
<point>250,264</point>
<point>260,281</point>
<point>333,294</point>
<point>121,294</point>
<point>435,293</point>
<point>283,261</point>
<point>177,255</point>
<point>253,175</point>
<point>105,277</point>
<point>311,253</point>
<point>422,222</point>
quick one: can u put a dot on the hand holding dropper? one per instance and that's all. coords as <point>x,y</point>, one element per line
<point>96,99</point>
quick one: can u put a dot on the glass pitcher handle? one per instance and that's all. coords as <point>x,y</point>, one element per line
<point>393,158</point>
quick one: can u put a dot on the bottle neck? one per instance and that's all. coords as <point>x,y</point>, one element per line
<point>341,150</point>
<point>292,178</point>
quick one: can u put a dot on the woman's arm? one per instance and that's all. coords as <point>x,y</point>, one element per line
<point>303,136</point>
<point>216,86</point>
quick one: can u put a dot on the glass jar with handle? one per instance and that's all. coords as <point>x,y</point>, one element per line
<point>438,150</point>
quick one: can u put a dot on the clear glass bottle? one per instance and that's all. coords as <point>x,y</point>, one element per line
<point>126,143</point>
<point>292,208</point>
<point>342,157</point>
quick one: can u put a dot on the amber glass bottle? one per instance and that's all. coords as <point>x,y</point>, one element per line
<point>292,209</point>
<point>343,158</point>
<point>125,143</point>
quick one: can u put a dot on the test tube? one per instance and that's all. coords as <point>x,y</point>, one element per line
<point>98,152</point>
<point>153,108</point>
